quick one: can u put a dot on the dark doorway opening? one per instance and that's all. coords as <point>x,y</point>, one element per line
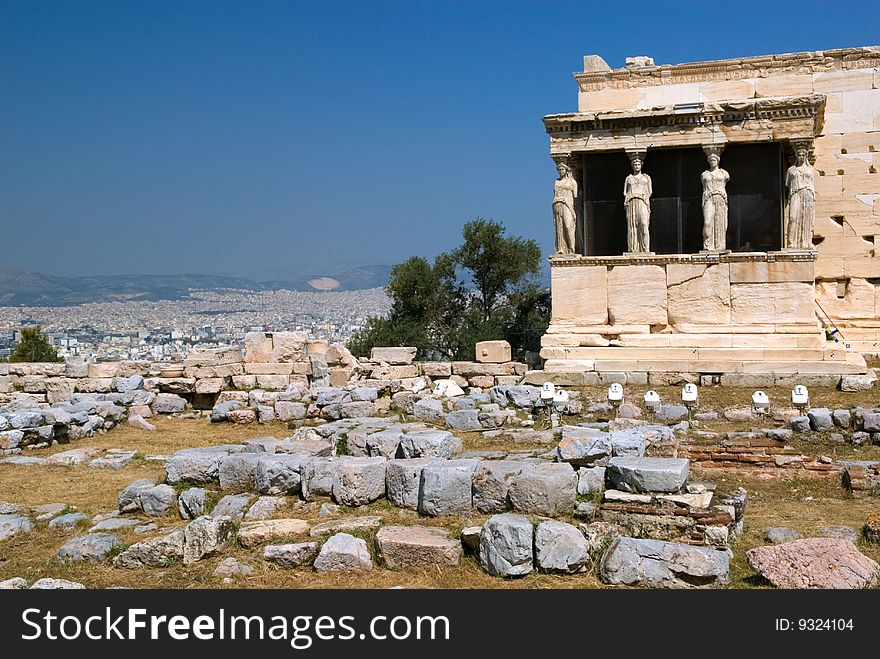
<point>754,199</point>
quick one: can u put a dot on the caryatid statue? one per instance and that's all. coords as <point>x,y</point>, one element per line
<point>637,192</point>
<point>565,190</point>
<point>801,188</point>
<point>714,182</point>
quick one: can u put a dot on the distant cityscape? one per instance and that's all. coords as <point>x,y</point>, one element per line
<point>167,330</point>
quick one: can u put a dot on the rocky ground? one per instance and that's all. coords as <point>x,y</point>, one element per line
<point>85,494</point>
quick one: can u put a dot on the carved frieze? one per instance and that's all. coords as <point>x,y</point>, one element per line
<point>732,69</point>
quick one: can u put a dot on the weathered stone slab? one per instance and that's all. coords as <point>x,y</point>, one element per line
<point>280,474</point>
<point>259,532</point>
<point>362,523</point>
<point>446,487</point>
<point>233,506</point>
<point>658,564</point>
<point>156,500</point>
<point>237,472</point>
<point>292,555</point>
<point>544,489</point>
<point>394,356</point>
<point>491,483</point>
<point>403,479</point>
<point>493,352</point>
<point>358,481</point>
<point>408,547</point>
<point>426,444</point>
<point>814,563</point>
<point>648,474</point>
<point>644,304</point>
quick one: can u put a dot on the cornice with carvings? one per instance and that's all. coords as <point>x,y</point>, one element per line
<point>730,69</point>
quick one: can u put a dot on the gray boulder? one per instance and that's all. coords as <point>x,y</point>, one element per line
<point>160,551</point>
<point>237,471</point>
<point>426,444</point>
<point>858,382</point>
<point>583,446</point>
<point>290,411</point>
<point>778,535</point>
<point>264,508</point>
<point>799,423</point>
<point>402,481</point>
<point>195,465</point>
<point>133,383</point>
<point>820,419</point>
<point>842,418</point>
<point>491,485</point>
<point>507,545</point>
<point>318,476</point>
<point>446,487</point>
<point>93,547</point>
<point>139,422</point>
<point>590,479</point>
<point>548,489</point>
<point>114,524</point>
<point>671,413</point>
<point>11,525</point>
<point>779,434</point>
<point>430,410</point>
<point>561,547</point>
<point>525,396</point>
<point>839,533</point>
<point>868,420</point>
<point>128,498</point>
<point>169,404</point>
<point>648,474</point>
<point>280,474</point>
<point>157,500</point>
<point>464,420</point>
<point>358,481</point>
<point>658,564</point>
<point>68,521</point>
<point>232,506</point>
<point>205,535</point>
<point>220,411</point>
<point>343,553</point>
<point>384,443</point>
<point>191,503</point>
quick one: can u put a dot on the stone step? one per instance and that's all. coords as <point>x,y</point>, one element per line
<point>692,353</point>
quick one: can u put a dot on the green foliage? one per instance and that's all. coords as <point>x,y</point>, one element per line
<point>484,289</point>
<point>34,347</point>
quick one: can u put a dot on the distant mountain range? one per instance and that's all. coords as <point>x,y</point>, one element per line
<point>24,288</point>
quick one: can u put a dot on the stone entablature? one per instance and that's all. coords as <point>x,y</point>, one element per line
<point>747,121</point>
<point>762,66</point>
<point>572,260</point>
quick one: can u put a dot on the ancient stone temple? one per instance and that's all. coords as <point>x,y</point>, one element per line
<point>725,215</point>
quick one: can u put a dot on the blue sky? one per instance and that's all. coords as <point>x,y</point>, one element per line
<point>267,139</point>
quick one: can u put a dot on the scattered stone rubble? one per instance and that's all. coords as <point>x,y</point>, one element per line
<point>646,523</point>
